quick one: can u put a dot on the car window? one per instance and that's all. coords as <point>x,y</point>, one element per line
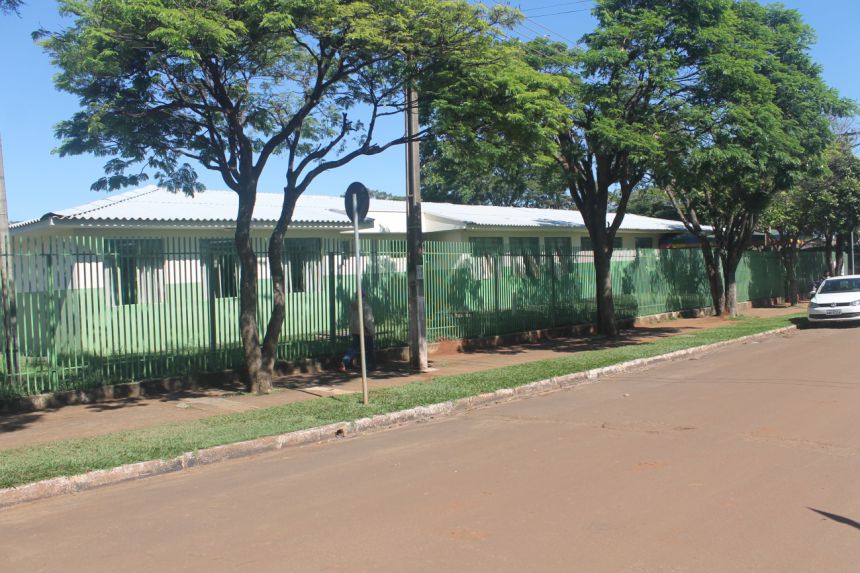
<point>840,285</point>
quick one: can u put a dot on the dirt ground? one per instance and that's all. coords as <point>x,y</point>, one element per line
<point>102,418</point>
<point>744,460</point>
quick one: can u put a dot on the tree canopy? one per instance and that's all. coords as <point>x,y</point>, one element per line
<point>756,117</point>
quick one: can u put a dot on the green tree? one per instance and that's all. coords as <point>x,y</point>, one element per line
<point>376,194</point>
<point>489,176</point>
<point>227,84</point>
<point>499,153</point>
<point>824,202</point>
<point>625,83</point>
<point>787,214</point>
<point>832,200</point>
<point>652,201</point>
<point>756,118</point>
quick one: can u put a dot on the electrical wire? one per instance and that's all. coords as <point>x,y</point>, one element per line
<point>539,34</point>
<point>556,34</point>
<point>562,4</point>
<point>559,13</point>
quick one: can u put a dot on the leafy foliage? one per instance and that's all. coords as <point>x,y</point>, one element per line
<point>831,198</point>
<point>10,6</point>
<point>496,147</point>
<point>227,83</point>
<point>651,201</point>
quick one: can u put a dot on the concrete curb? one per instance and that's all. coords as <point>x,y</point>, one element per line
<point>98,478</point>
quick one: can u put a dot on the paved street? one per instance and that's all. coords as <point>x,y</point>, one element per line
<point>746,460</point>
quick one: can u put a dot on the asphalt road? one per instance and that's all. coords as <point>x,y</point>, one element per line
<point>745,460</point>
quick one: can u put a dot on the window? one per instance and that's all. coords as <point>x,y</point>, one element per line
<point>840,285</point>
<point>525,252</point>
<point>135,270</point>
<point>644,243</point>
<point>304,264</point>
<point>223,268</point>
<point>586,245</point>
<point>484,249</point>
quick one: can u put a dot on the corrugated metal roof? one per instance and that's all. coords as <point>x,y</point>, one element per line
<point>155,205</point>
<point>487,216</point>
<point>159,206</point>
<point>467,216</point>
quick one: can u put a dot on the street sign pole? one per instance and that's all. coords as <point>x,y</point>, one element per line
<point>357,203</point>
<point>359,297</point>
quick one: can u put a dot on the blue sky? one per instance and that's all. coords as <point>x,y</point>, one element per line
<point>38,181</point>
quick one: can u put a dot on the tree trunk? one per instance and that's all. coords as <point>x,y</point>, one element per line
<point>840,255</point>
<point>605,305</point>
<point>279,300</point>
<point>730,267</point>
<point>254,377</point>
<point>828,252</point>
<point>788,255</point>
<point>714,282</point>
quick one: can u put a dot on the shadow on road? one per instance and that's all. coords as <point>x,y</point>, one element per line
<point>15,422</point>
<point>837,518</point>
<point>803,324</point>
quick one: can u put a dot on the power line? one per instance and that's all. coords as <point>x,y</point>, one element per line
<point>551,57</point>
<point>532,9</point>
<point>568,40</point>
<point>538,33</point>
<point>501,35</point>
<point>559,13</point>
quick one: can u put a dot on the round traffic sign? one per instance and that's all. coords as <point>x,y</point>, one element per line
<point>362,200</point>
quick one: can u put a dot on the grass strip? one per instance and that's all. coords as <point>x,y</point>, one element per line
<point>70,457</point>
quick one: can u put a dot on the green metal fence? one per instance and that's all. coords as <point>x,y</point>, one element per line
<point>93,310</point>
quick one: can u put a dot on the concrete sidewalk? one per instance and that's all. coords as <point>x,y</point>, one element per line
<point>28,428</point>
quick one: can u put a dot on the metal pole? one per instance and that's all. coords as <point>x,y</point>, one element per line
<point>852,253</point>
<point>414,240</point>
<point>7,281</point>
<point>360,299</point>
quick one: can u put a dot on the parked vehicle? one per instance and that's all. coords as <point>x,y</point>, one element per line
<point>837,299</point>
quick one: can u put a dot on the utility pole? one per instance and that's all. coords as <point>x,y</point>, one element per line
<point>414,239</point>
<point>7,283</point>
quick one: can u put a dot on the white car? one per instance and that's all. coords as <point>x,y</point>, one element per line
<point>836,300</point>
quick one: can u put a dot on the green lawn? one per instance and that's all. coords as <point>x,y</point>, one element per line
<point>70,457</point>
